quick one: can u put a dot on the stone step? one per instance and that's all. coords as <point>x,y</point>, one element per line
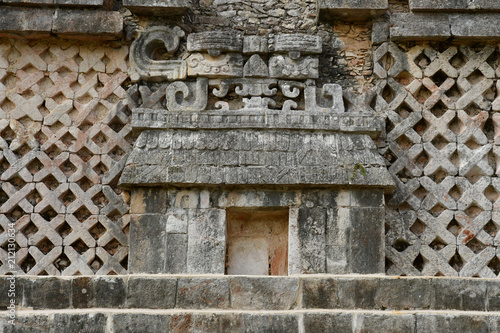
<point>314,321</point>
<point>301,292</point>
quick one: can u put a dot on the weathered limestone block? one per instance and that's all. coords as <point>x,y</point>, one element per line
<point>454,5</point>
<point>151,292</point>
<point>295,44</point>
<point>201,293</point>
<point>353,10</point>
<point>138,322</point>
<point>97,24</point>
<point>263,293</point>
<point>143,62</point>
<point>26,21</point>
<point>206,242</point>
<point>255,44</point>
<point>163,7</point>
<point>406,26</point>
<point>214,42</point>
<point>444,5</point>
<point>148,240</point>
<point>475,26</point>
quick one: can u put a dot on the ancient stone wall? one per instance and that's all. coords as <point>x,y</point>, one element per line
<point>65,127</point>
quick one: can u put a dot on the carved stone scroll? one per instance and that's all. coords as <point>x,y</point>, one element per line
<point>326,99</point>
<point>187,96</point>
<point>147,51</point>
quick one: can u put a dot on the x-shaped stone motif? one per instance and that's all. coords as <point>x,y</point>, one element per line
<point>406,159</point>
<point>440,61</point>
<point>404,193</point>
<point>63,59</point>
<point>440,159</point>
<point>30,55</point>
<point>111,263</point>
<point>44,262</point>
<point>438,126</point>
<point>16,197</point>
<point>474,158</point>
<point>438,93</point>
<point>472,127</point>
<point>473,193</point>
<point>79,262</point>
<point>476,264</point>
<point>438,193</point>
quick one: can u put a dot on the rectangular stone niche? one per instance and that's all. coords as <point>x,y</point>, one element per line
<point>257,241</point>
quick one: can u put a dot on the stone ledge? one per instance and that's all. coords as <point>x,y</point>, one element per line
<point>303,292</point>
<point>66,23</point>
<point>454,5</point>
<point>440,27</point>
<point>162,7</point>
<point>100,320</point>
<point>352,10</point>
<point>68,3</point>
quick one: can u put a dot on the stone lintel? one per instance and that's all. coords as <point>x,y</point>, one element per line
<point>158,7</point>
<point>65,3</point>
<point>352,10</point>
<point>407,26</point>
<point>440,26</point>
<point>258,119</point>
<point>454,5</point>
<point>33,22</point>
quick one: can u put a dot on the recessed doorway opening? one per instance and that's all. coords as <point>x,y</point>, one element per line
<point>257,241</point>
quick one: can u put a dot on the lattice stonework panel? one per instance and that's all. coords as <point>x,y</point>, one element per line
<point>64,139</point>
<point>442,144</point>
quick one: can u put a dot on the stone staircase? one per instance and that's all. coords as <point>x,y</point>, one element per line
<point>217,303</point>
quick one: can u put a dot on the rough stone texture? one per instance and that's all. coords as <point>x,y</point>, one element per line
<point>147,244</point>
<point>165,7</point>
<point>25,21</point>
<point>151,293</point>
<point>107,25</point>
<point>353,10</point>
<point>454,5</point>
<point>200,293</point>
<point>264,294</point>
<point>482,26</point>
<point>66,23</point>
<point>406,26</point>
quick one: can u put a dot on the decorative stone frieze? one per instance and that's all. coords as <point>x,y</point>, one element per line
<point>249,114</point>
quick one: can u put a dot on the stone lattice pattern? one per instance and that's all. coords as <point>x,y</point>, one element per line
<point>443,146</point>
<point>64,138</point>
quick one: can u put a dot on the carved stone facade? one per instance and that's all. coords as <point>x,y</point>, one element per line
<point>178,144</point>
<point>250,116</point>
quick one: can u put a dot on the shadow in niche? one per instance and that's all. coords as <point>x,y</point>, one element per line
<point>257,241</point>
